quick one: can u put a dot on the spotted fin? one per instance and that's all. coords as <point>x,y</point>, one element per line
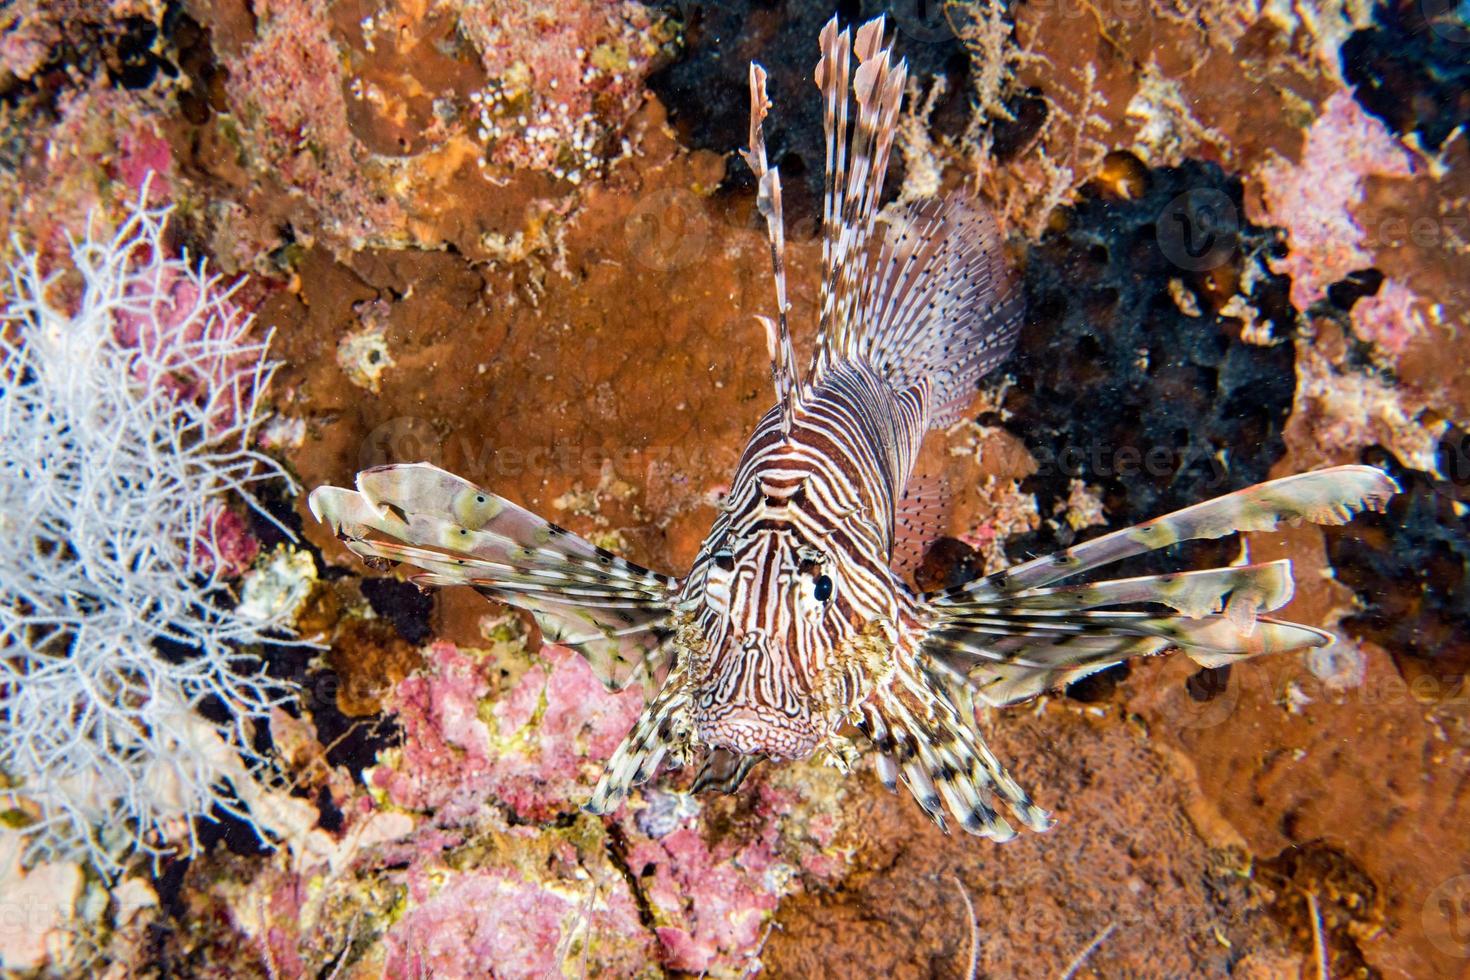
<point>925,733</point>
<point>944,307</point>
<point>1329,496</point>
<point>768,203</point>
<point>662,732</point>
<point>1013,635</point>
<point>613,612</point>
<point>920,517</point>
<point>723,771</point>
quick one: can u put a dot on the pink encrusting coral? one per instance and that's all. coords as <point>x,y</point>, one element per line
<point>286,92</point>
<point>565,724</point>
<point>366,119</point>
<point>1390,319</point>
<point>477,750</point>
<point>183,328</point>
<point>499,921</point>
<point>536,750</point>
<point>1315,200</point>
<point>711,903</point>
<point>225,545</point>
<point>106,143</point>
<point>559,85</point>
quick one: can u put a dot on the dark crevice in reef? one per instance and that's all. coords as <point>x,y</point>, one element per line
<point>1410,567</point>
<point>131,51</point>
<point>617,852</point>
<point>403,604</point>
<point>1128,376</point>
<point>1412,68</point>
<point>1348,902</point>
<point>352,742</point>
<point>707,95</point>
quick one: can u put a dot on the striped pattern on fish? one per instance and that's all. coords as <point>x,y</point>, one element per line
<point>793,632</point>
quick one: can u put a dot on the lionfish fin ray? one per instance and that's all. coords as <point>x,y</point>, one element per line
<point>1013,635</point>
<point>614,613</point>
<point>926,733</point>
<point>661,732</point>
<point>860,120</point>
<point>1328,496</point>
<point>932,303</point>
<point>944,307</point>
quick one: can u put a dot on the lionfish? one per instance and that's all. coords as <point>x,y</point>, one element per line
<point>793,632</point>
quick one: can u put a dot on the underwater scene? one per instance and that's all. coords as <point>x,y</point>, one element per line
<point>640,488</point>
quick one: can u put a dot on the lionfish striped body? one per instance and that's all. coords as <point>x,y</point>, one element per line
<point>792,631</point>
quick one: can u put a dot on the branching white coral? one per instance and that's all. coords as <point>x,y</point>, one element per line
<point>129,390</point>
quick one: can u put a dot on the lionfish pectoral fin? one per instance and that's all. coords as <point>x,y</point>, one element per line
<point>925,732</point>
<point>723,771</point>
<point>661,733</point>
<point>1012,636</point>
<point>1328,496</point>
<point>614,613</point>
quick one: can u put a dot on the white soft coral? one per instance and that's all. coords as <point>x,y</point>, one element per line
<point>128,415</point>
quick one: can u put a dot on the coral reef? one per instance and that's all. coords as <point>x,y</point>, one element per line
<point>373,121</point>
<point>704,88</point>
<point>505,238</point>
<point>1315,199</point>
<point>1409,69</point>
<point>465,853</point>
<point>1409,568</point>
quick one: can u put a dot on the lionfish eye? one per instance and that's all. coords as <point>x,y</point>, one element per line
<point>823,588</point>
<point>725,560</point>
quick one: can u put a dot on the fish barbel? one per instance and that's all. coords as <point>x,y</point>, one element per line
<point>793,631</point>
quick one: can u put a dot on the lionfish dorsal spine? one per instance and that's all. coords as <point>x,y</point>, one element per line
<point>768,203</point>
<point>858,148</point>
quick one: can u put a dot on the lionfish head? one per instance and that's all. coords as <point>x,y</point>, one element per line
<point>774,612</point>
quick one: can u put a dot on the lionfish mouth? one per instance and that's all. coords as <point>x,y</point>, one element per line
<point>758,733</point>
